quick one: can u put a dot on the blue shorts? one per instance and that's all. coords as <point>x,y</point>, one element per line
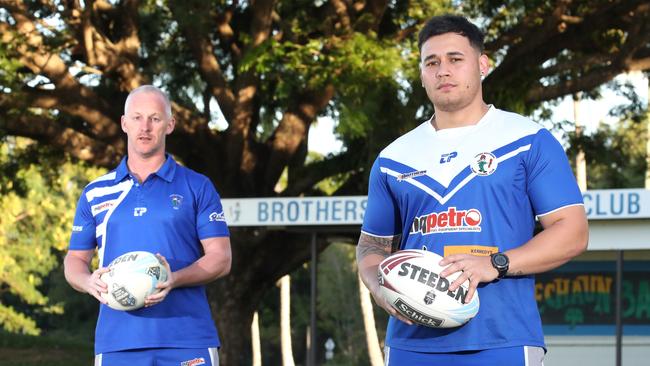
<point>509,356</point>
<point>160,357</point>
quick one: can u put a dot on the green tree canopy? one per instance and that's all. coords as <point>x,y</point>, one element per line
<point>274,67</point>
<point>37,201</point>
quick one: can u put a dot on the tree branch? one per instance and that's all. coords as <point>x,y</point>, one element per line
<point>587,81</point>
<point>239,142</point>
<point>521,67</point>
<point>80,103</point>
<point>203,51</point>
<point>307,176</point>
<point>292,131</point>
<point>69,95</point>
<point>374,12</point>
<point>78,145</point>
<point>341,10</point>
<point>118,58</point>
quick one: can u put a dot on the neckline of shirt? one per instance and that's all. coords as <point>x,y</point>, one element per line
<point>455,132</point>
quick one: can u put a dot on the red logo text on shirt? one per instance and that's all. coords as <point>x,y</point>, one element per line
<point>194,362</point>
<point>452,220</point>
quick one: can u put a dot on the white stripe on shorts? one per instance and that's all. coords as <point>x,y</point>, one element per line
<point>98,360</point>
<point>386,355</point>
<point>214,356</point>
<point>533,356</point>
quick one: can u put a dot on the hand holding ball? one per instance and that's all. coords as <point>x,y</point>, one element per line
<point>131,278</point>
<point>410,281</point>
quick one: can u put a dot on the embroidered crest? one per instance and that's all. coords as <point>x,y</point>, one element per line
<point>177,201</point>
<point>484,164</point>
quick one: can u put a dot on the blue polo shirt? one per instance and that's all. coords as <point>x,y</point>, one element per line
<point>169,213</point>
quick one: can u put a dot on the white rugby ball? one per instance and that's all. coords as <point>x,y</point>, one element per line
<point>132,277</point>
<point>410,281</point>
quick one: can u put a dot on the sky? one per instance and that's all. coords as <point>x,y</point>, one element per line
<point>592,112</point>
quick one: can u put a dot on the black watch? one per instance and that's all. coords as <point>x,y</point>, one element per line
<point>501,263</point>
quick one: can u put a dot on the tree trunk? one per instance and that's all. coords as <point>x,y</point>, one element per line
<point>374,351</point>
<point>647,146</point>
<point>255,340</point>
<point>285,321</point>
<point>259,260</point>
<point>581,164</point>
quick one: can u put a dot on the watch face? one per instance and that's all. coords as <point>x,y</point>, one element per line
<point>500,260</point>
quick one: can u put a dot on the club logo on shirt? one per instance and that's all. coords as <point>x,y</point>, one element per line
<point>414,174</point>
<point>177,201</point>
<point>452,220</point>
<point>139,211</point>
<point>214,216</point>
<point>484,164</point>
<point>195,362</point>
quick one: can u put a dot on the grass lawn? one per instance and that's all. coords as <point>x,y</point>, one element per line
<point>44,350</point>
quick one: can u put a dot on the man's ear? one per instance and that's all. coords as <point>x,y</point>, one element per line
<point>123,123</point>
<point>484,64</point>
<point>171,125</point>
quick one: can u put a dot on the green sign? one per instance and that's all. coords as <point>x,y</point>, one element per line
<point>583,294</point>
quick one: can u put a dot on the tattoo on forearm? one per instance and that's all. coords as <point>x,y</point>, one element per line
<point>517,273</point>
<point>382,246</point>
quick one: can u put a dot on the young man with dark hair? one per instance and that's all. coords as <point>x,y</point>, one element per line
<point>504,169</point>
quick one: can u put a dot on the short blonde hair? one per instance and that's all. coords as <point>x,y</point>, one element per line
<point>149,89</point>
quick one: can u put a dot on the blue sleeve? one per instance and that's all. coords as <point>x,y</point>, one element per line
<point>382,217</point>
<point>83,235</point>
<point>551,183</point>
<point>210,218</point>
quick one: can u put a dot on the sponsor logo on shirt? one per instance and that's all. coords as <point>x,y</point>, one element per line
<point>452,220</point>
<point>484,164</point>
<point>102,207</point>
<point>480,250</point>
<point>445,158</point>
<point>77,229</point>
<point>139,211</point>
<point>194,362</point>
<point>414,174</point>
<point>217,216</point>
<point>177,201</point>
